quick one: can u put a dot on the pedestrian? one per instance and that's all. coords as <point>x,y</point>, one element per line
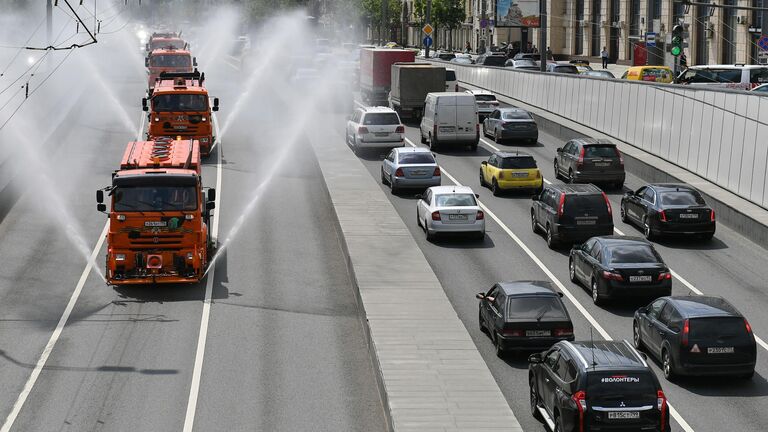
<point>468,48</point>
<point>683,61</point>
<point>604,55</point>
<point>549,53</point>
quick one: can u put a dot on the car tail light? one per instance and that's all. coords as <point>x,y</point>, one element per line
<point>661,404</point>
<point>711,215</point>
<point>436,216</point>
<point>581,158</point>
<point>665,276</point>
<point>749,327</point>
<point>580,397</point>
<point>400,129</point>
<point>456,88</point>
<point>564,332</point>
<point>608,203</point>
<point>686,330</point>
<point>607,275</point>
<point>621,158</point>
<point>399,173</point>
<point>663,216</point>
<point>437,172</point>
<point>480,215</point>
<point>362,130</point>
<point>513,332</point>
<point>561,206</point>
<point>477,127</point>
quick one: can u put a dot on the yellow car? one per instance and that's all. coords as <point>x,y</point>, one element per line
<point>659,74</point>
<point>505,171</point>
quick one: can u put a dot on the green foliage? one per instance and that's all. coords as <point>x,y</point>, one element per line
<point>448,13</point>
<point>372,12</point>
<point>419,11</point>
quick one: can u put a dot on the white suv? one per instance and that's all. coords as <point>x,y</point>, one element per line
<point>374,127</point>
<point>738,76</point>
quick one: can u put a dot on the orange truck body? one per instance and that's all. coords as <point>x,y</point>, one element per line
<point>165,40</point>
<point>167,60</point>
<point>158,218</point>
<point>179,106</point>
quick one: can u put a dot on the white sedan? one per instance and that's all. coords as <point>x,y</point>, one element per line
<point>450,209</point>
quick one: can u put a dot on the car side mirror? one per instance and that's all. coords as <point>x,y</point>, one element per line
<point>210,205</point>
<point>211,194</point>
<point>215,104</point>
<point>477,195</point>
<point>484,163</point>
<point>643,310</point>
<point>490,299</point>
<point>194,61</point>
<point>144,106</point>
<point>535,358</point>
<point>101,207</point>
<point>644,355</point>
<point>99,196</point>
<point>418,196</point>
<point>560,294</point>
<point>536,198</point>
<point>559,150</point>
<point>146,62</point>
<point>480,295</point>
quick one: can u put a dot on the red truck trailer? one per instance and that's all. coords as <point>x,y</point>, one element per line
<point>375,72</point>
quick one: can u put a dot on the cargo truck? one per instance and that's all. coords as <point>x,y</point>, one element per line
<point>375,72</point>
<point>411,82</point>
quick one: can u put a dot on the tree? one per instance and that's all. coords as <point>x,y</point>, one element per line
<point>372,13</point>
<point>448,15</point>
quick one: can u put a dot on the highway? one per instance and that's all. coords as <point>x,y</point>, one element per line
<point>730,266</point>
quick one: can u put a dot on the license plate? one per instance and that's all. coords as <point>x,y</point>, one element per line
<point>623,415</point>
<point>418,173</point>
<point>720,350</point>
<point>446,128</point>
<point>586,222</point>
<point>381,134</point>
<point>519,174</point>
<point>457,217</point>
<point>602,164</point>
<point>155,224</point>
<point>640,278</point>
<point>538,332</point>
<point>689,216</point>
<point>520,127</point>
<point>180,127</point>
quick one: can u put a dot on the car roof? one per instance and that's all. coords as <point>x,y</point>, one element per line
<point>703,306</point>
<point>511,109</point>
<point>726,66</point>
<point>672,186</point>
<point>451,189</point>
<point>378,109</point>
<point>607,354</point>
<point>412,150</point>
<point>575,188</point>
<point>614,240</point>
<point>591,141</point>
<point>528,287</point>
<point>478,92</point>
<point>504,154</point>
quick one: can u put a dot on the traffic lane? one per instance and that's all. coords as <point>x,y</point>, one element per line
<point>286,344</point>
<point>729,265</point>
<point>514,210</point>
<point>466,267</point>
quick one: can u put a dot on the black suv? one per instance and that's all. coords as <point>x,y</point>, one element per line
<point>696,335</point>
<point>585,160</point>
<point>596,386</point>
<point>571,213</point>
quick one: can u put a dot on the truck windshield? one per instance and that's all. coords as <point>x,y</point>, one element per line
<point>180,102</point>
<point>166,43</point>
<point>154,198</point>
<point>174,61</point>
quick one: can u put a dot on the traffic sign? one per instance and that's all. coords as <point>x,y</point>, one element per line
<point>427,41</point>
<point>763,42</point>
<point>427,29</point>
<point>650,39</point>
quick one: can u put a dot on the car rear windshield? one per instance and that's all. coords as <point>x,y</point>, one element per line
<point>681,198</point>
<point>495,60</point>
<point>381,119</point>
<point>610,385</point>
<point>632,253</point>
<point>416,158</point>
<point>535,308</point>
<point>451,75</point>
<point>516,115</point>
<point>518,162</point>
<point>455,200</point>
<point>593,204</point>
<point>485,97</point>
<point>566,69</point>
<point>604,151</point>
<point>711,328</point>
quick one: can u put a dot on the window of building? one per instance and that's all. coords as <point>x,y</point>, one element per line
<point>702,42</point>
<point>579,33</point>
<point>729,32</point>
<point>634,17</point>
<point>595,22</point>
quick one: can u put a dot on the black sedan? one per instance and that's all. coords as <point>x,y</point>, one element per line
<point>696,335</point>
<point>524,315</point>
<point>661,209</point>
<point>511,123</point>
<point>614,267</point>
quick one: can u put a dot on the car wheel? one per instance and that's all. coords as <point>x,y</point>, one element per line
<point>485,130</point>
<point>497,137</point>
<point>708,237</point>
<point>432,143</point>
<point>534,225</point>
<point>570,176</point>
<point>480,321</point>
<point>423,139</point>
<point>534,400</point>
<point>392,187</point>
<point>495,188</point>
<point>596,297</point>
<point>551,242</point>
<point>418,217</point>
<point>666,365</point>
<point>558,423</point>
<point>647,231</point>
<point>473,147</point>
<point>482,181</point>
<point>748,376</point>
<point>427,234</point>
<point>383,179</point>
<point>557,170</point>
<point>480,236</point>
<point>619,185</point>
<point>572,270</point>
<point>636,340</point>
<point>623,213</point>
<point>497,345</point>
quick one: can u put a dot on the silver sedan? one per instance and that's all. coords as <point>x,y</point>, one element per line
<point>450,209</point>
<point>410,167</point>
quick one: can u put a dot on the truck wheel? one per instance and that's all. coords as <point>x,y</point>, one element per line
<point>423,140</point>
<point>473,147</point>
<point>432,143</point>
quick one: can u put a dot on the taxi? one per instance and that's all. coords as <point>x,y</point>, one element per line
<point>504,171</point>
<point>659,74</point>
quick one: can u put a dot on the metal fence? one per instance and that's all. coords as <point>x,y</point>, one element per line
<point>720,135</point>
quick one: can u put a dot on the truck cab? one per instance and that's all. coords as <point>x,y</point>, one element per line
<point>179,106</point>
<point>158,215</point>
<point>168,60</point>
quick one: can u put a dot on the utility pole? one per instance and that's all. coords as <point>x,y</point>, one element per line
<point>543,35</point>
<point>483,23</point>
<point>428,20</point>
<point>49,27</point>
<point>385,21</point>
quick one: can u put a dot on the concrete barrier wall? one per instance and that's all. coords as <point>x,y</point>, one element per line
<point>719,135</point>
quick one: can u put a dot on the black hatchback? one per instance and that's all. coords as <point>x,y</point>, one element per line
<point>524,315</point>
<point>696,335</point>
<point>660,209</point>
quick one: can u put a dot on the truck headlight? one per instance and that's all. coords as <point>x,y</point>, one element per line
<point>121,217</point>
<point>189,217</point>
<point>119,257</point>
<point>190,256</point>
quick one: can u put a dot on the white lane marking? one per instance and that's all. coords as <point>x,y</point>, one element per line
<point>43,359</point>
<point>489,144</point>
<point>680,420</point>
<point>197,371</point>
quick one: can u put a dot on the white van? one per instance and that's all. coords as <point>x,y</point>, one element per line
<point>450,118</point>
<point>739,76</point>
<point>451,83</point>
